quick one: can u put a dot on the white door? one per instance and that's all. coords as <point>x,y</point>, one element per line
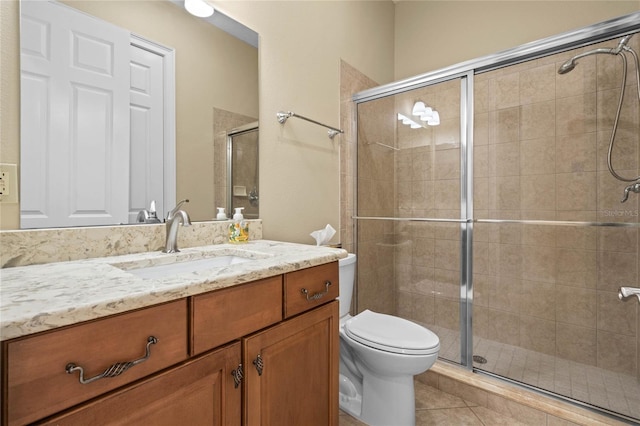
<point>147,131</point>
<point>75,122</point>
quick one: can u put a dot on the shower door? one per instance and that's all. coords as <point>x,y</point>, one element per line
<point>409,216</point>
<point>552,241</point>
<point>242,169</point>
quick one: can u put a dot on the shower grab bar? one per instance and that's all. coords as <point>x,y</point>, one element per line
<point>283,116</point>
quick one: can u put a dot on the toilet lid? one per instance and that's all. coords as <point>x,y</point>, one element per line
<point>391,334</point>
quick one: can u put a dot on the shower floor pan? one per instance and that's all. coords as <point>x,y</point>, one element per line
<point>616,392</point>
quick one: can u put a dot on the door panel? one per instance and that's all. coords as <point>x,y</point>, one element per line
<point>146,111</point>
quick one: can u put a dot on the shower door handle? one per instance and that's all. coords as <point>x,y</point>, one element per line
<point>625,292</point>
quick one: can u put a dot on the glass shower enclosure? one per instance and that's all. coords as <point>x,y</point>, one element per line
<point>242,170</point>
<point>487,212</point>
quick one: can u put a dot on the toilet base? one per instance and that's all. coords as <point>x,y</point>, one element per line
<point>350,400</point>
<point>388,401</point>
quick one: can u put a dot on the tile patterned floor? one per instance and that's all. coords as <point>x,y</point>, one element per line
<point>434,407</point>
<point>613,391</point>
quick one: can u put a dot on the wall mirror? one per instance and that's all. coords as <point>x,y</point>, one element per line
<point>71,157</point>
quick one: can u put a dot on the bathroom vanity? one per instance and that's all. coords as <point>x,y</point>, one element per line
<point>252,343</point>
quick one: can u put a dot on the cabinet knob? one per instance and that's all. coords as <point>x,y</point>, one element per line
<point>259,363</point>
<point>114,370</point>
<point>238,375</point>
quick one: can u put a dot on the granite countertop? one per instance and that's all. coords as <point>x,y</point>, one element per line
<point>43,297</point>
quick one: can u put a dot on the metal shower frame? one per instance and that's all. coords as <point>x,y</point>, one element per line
<point>465,72</point>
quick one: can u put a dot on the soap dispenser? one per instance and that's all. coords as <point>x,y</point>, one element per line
<point>221,214</point>
<point>238,214</point>
<point>239,228</point>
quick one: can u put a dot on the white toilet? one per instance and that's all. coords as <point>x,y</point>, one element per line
<point>379,355</point>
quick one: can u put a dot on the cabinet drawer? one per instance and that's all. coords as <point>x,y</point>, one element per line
<point>198,392</point>
<point>311,287</point>
<point>38,384</point>
<point>225,315</point>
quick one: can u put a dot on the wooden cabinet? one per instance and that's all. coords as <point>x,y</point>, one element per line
<point>198,392</point>
<point>193,350</point>
<point>292,371</point>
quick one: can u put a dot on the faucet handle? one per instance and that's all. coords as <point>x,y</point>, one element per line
<point>625,292</point>
<point>176,208</point>
<point>634,187</point>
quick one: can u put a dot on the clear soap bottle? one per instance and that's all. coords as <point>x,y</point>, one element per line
<point>239,228</point>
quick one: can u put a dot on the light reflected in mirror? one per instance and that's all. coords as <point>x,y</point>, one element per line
<point>214,71</point>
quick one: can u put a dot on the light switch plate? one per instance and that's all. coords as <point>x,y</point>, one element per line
<point>8,183</point>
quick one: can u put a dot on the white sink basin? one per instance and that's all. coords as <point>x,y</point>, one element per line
<point>166,267</point>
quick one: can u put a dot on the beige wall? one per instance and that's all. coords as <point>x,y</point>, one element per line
<point>9,101</point>
<point>433,34</point>
<point>301,44</point>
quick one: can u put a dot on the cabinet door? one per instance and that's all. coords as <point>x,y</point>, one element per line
<point>298,383</point>
<point>199,392</point>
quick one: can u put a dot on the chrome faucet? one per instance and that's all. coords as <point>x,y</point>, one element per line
<point>148,216</point>
<point>174,218</point>
<point>143,216</point>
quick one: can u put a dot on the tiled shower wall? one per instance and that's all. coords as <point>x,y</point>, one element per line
<point>540,146</point>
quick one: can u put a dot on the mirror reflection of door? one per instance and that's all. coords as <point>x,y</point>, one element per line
<point>242,168</point>
<point>96,105</point>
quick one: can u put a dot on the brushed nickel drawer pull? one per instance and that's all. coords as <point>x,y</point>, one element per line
<point>116,369</point>
<point>237,376</point>
<point>317,296</point>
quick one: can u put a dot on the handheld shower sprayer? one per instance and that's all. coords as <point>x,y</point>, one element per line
<point>619,51</point>
<point>569,65</point>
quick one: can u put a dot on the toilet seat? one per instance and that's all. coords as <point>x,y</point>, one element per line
<point>391,334</point>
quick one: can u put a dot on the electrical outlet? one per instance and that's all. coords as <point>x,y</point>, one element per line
<point>8,183</point>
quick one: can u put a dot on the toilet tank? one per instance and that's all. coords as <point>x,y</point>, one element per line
<point>347,267</point>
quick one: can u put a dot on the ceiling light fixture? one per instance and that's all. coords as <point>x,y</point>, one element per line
<point>199,8</point>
